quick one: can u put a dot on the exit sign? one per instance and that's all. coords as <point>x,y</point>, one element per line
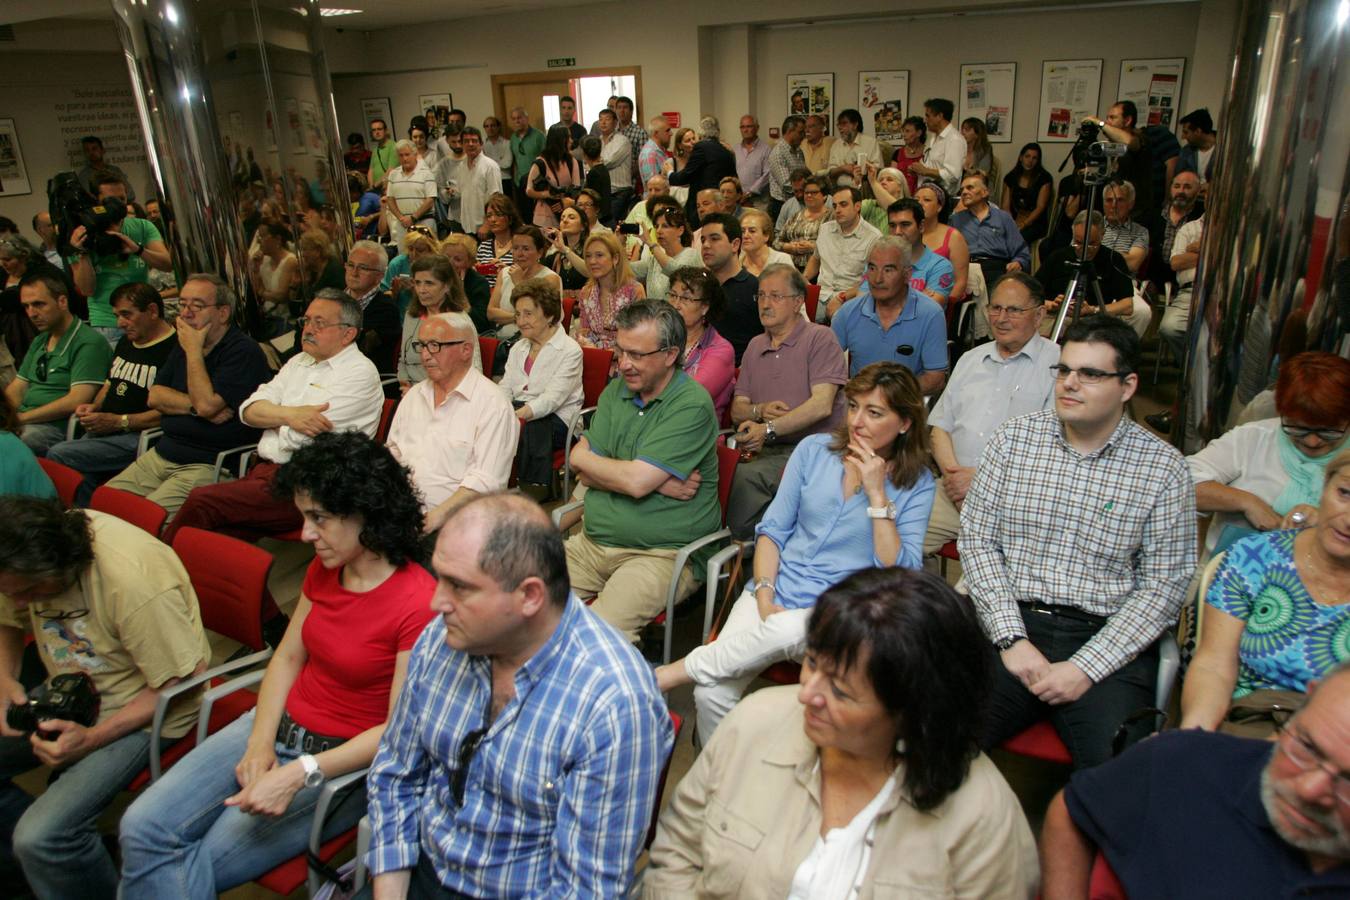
<point>562,62</point>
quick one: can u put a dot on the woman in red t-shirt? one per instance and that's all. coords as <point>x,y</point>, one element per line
<point>241,803</point>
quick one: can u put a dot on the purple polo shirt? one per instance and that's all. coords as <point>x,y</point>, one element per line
<point>811,355</point>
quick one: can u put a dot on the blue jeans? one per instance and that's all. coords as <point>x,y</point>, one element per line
<point>97,458</point>
<point>180,841</point>
<point>111,333</point>
<point>55,836</point>
<point>41,436</point>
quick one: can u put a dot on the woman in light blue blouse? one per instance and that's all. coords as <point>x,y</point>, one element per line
<point>850,500</point>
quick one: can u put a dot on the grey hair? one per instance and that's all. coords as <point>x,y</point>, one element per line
<point>350,315</point>
<point>708,129</point>
<point>658,121</point>
<point>891,242</point>
<point>16,247</point>
<point>405,144</point>
<point>669,323</point>
<point>796,283</point>
<point>458,321</point>
<point>225,295</point>
<point>1124,187</point>
<point>374,248</point>
<point>792,122</point>
<point>1098,220</point>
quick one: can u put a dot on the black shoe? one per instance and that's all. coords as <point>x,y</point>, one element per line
<point>1160,422</point>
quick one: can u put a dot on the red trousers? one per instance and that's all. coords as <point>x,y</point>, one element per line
<point>244,509</point>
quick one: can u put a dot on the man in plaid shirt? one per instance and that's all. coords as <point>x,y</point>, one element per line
<point>1078,541</point>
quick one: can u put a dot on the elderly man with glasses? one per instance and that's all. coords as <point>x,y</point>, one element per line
<point>1112,271</point>
<point>788,388</point>
<point>197,392</point>
<point>455,429</point>
<point>328,387</point>
<point>1077,543</point>
<point>649,467</point>
<point>1213,815</point>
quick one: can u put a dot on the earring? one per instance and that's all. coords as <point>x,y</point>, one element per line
<point>900,747</point>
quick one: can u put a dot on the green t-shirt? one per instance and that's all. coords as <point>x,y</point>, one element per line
<point>677,433</point>
<point>382,159</point>
<point>113,271</point>
<point>19,470</point>
<point>82,356</point>
<point>524,150</point>
<point>875,215</point>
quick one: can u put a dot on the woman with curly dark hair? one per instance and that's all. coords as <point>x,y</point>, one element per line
<point>241,803</point>
<point>866,774</point>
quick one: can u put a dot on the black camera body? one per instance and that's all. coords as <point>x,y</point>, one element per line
<point>70,207</point>
<point>70,696</point>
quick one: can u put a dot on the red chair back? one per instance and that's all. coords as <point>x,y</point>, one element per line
<point>727,460</point>
<point>595,365</point>
<point>568,304</point>
<point>66,479</point>
<point>230,578</point>
<point>129,507</point>
<point>386,420</point>
<point>488,347</point>
<point>677,723</point>
<point>812,300</point>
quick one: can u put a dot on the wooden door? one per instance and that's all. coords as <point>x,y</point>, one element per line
<point>529,94</point>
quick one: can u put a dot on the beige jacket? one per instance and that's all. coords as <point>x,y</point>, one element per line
<point>748,812</point>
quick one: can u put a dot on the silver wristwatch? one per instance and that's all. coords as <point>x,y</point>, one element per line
<point>881,512</point>
<point>313,774</point>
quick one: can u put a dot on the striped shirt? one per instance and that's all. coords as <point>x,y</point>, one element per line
<point>1110,532</point>
<point>559,793</point>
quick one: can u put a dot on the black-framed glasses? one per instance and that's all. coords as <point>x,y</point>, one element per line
<point>432,347</point>
<point>1304,754</point>
<point>42,366</point>
<point>196,306</point>
<point>1326,435</point>
<point>459,779</point>
<point>638,355</point>
<point>320,324</point>
<point>675,298</point>
<point>53,614</point>
<point>1086,375</point>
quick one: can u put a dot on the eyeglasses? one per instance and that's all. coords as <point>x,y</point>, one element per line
<point>61,615</point>
<point>432,347</point>
<point>320,324</point>
<point>776,298</point>
<point>1326,435</point>
<point>1012,312</point>
<point>675,299</point>
<point>460,778</point>
<point>638,355</point>
<point>1085,375</point>
<point>1301,752</point>
<point>197,306</point>
<point>349,265</point>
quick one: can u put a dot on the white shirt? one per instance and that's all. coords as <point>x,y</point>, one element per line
<point>1186,235</point>
<point>468,441</point>
<point>499,151</point>
<point>553,384</point>
<point>1247,458</point>
<point>843,257</point>
<point>842,154</point>
<point>507,286</point>
<point>617,154</point>
<point>477,182</point>
<point>347,382</point>
<point>840,857</point>
<point>946,152</point>
<point>411,190</point>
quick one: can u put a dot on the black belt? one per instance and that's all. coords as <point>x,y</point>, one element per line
<point>1067,612</point>
<point>293,736</point>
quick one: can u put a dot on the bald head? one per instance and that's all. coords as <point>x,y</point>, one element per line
<point>518,542</point>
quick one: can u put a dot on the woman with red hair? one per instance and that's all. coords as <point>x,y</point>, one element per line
<point>1268,474</point>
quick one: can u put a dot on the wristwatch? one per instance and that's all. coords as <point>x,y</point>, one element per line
<point>1007,642</point>
<point>124,423</point>
<point>764,583</point>
<point>770,433</point>
<point>313,774</point>
<point>140,249</point>
<point>882,512</point>
<point>192,410</point>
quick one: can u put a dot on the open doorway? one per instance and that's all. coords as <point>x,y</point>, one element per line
<point>539,92</point>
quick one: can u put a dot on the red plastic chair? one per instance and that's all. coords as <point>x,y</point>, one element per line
<point>487,346</point>
<point>133,508</point>
<point>677,723</point>
<point>568,304</point>
<point>812,300</point>
<point>386,420</point>
<point>595,366</point>
<point>66,479</point>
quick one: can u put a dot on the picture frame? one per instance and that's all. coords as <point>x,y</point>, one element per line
<point>987,92</point>
<point>812,94</point>
<point>13,173</point>
<point>436,107</point>
<point>883,100</point>
<point>1070,90</point>
<point>1155,86</point>
<point>377,108</point>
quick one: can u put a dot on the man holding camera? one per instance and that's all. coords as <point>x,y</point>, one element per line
<point>103,600</point>
<point>1136,166</point>
<point>126,251</point>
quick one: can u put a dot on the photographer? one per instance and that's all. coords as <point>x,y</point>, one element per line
<point>1136,166</point>
<point>110,601</point>
<point>125,252</point>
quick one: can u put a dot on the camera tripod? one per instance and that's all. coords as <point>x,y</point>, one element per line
<point>1084,278</point>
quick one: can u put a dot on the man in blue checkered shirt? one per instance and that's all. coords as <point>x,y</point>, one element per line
<point>523,755</point>
<point>1077,543</point>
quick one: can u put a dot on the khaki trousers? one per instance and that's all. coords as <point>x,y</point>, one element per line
<point>944,523</point>
<point>155,478</point>
<point>629,585</point>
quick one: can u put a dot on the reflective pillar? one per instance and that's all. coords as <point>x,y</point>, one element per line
<point>1272,275</point>
<point>235,101</point>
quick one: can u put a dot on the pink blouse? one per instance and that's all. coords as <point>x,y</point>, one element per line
<point>596,327</point>
<point>712,363</point>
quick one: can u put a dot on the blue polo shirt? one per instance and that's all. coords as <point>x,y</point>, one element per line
<point>930,272</point>
<point>996,237</point>
<point>921,329</point>
<point>1180,815</point>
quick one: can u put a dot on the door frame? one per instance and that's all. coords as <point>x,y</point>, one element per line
<point>499,101</point>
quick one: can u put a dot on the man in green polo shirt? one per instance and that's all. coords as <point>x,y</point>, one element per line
<point>649,464</point>
<point>97,275</point>
<point>65,365</point>
<point>383,153</point>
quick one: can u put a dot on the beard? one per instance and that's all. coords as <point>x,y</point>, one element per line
<point>1335,844</point>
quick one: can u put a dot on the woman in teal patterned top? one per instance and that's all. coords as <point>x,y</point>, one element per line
<point>1279,610</point>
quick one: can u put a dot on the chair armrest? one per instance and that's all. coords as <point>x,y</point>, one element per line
<point>223,455</point>
<point>169,694</point>
<point>223,690</point>
<point>573,434</point>
<point>327,794</point>
<point>557,514</point>
<point>362,848</point>
<point>387,379</point>
<point>148,437</point>
<point>682,560</point>
<point>715,564</point>
<point>72,423</point>
<point>1169,664</point>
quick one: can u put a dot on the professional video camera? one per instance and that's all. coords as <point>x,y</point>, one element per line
<point>1093,155</point>
<point>70,207</point>
<point>69,696</point>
